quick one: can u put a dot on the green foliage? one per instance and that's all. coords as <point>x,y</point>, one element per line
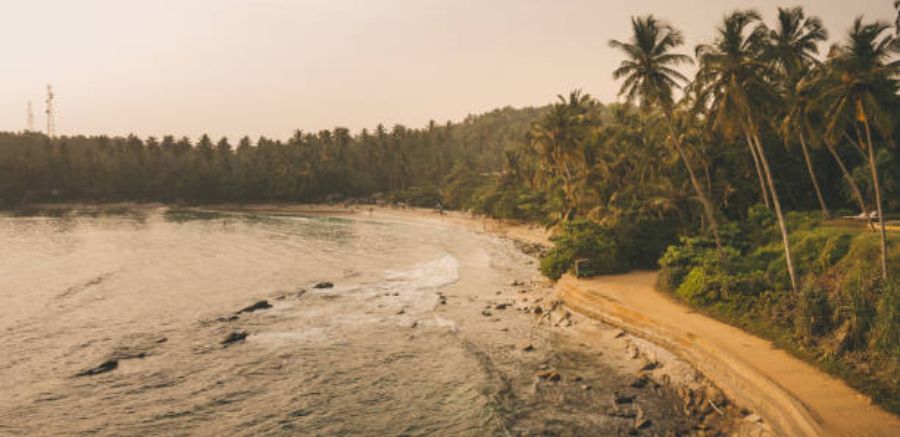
<point>845,314</point>
<point>579,239</point>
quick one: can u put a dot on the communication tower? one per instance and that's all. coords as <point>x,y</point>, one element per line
<point>51,122</point>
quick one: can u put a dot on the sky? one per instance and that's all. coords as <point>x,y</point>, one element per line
<point>268,67</point>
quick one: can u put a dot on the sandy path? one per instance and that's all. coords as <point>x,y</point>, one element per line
<point>793,396</point>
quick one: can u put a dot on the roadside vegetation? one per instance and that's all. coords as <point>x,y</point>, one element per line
<point>735,182</point>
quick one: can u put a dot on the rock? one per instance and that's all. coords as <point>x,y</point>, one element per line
<point>227,319</point>
<point>640,419</point>
<point>498,292</point>
<point>639,381</point>
<point>402,311</point>
<point>234,337</point>
<point>162,340</point>
<point>585,387</point>
<point>522,290</point>
<point>621,398</point>
<point>501,306</point>
<point>538,310</point>
<point>650,365</point>
<point>259,305</point>
<point>323,285</point>
<point>619,334</point>
<point>104,367</point>
<point>525,346</point>
<point>414,324</point>
<point>486,313</point>
<point>516,283</point>
<point>550,375</point>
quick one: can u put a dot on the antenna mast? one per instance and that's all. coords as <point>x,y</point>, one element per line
<point>29,120</point>
<point>51,123</point>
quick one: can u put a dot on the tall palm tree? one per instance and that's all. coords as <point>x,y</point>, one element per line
<point>559,139</point>
<point>734,82</point>
<point>650,76</point>
<point>862,80</point>
<point>792,48</point>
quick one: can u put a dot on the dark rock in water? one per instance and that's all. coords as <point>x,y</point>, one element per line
<point>234,337</point>
<point>107,366</point>
<point>323,285</point>
<point>259,305</point>
<point>619,398</point>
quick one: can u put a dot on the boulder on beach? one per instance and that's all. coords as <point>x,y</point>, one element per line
<point>622,398</point>
<point>259,305</point>
<point>234,337</point>
<point>104,367</point>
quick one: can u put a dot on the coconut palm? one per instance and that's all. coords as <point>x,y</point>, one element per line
<point>734,84</point>
<point>792,48</point>
<point>559,139</point>
<point>650,77</point>
<point>862,80</point>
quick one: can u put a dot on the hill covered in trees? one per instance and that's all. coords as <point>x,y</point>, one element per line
<point>728,181</point>
<point>308,167</point>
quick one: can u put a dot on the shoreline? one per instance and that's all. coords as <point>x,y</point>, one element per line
<point>790,395</point>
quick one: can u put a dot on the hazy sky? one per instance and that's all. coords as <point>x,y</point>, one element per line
<point>267,67</point>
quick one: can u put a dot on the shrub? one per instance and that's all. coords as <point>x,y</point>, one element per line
<point>813,312</point>
<point>582,238</point>
<point>886,332</point>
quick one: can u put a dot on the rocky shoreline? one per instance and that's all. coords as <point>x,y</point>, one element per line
<point>707,410</point>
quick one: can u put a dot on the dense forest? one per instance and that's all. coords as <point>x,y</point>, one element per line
<point>733,182</point>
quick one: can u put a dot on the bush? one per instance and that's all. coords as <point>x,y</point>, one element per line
<point>814,313</point>
<point>886,333</point>
<point>582,238</point>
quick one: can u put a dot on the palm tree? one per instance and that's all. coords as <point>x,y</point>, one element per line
<point>559,139</point>
<point>735,82</point>
<point>792,48</point>
<point>650,77</point>
<point>862,80</point>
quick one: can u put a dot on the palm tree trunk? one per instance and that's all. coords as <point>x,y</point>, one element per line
<point>873,168</point>
<point>812,175</point>
<point>759,173</point>
<point>707,204</point>
<point>777,203</point>
<point>854,188</point>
